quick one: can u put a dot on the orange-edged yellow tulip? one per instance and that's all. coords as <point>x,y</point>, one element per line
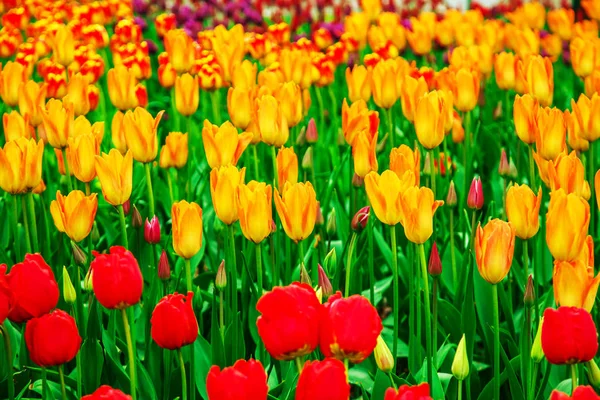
<point>229,49</point>
<point>272,123</point>
<point>592,83</point>
<point>239,105</point>
<point>121,88</point>
<point>552,47</point>
<point>187,94</point>
<point>296,66</point>
<point>289,96</point>
<point>444,32</point>
<point>297,209</point>
<point>574,284</point>
<point>574,137</point>
<point>567,172</point>
<point>458,131</point>
<point>583,56</point>
<point>585,29</point>
<point>254,202</point>
<point>448,109</point>
<point>383,85</point>
<point>561,22</point>
<point>466,91</point>
<point>539,78</point>
<point>523,210</point>
<point>63,46</point>
<point>174,154</point>
<point>385,191</point>
<point>550,140</point>
<point>592,8</point>
<point>21,165</point>
<point>77,94</point>
<point>358,80</point>
<point>74,214</point>
<point>587,112</point>
<point>223,185</point>
<point>81,152</point>
<point>419,38</point>
<point>118,133</point>
<point>357,118</point>
<point>32,97</point>
<point>412,90</point>
<point>15,126</point>
<point>287,166</point>
<point>187,228</point>
<point>223,145</point>
<point>567,223</point>
<point>180,48</point>
<point>494,249</point>
<point>404,159</point>
<point>115,172</point>
<point>364,153</point>
<point>244,75</point>
<point>430,120</point>
<point>418,207</point>
<point>59,122</point>
<point>371,7</point>
<point>357,25</point>
<point>12,75</point>
<point>525,113</point>
<point>140,134</point>
<point>505,68</point>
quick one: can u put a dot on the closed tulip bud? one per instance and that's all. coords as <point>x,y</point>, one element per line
<point>504,166</point>
<point>58,118</point>
<point>121,88</point>
<point>74,214</point>
<point>187,94</point>
<point>460,364</point>
<point>324,282</point>
<point>136,218</point>
<point>305,278</point>
<point>364,153</point>
<point>583,56</point>
<point>223,145</point>
<point>141,134</point>
<point>427,165</point>
<point>357,181</point>
<point>21,165</point>
<point>593,373</point>
<point>418,392</point>
<point>12,75</point>
<point>466,92</point>
<point>174,154</point>
<point>537,354</point>
<point>551,134</point>
<point>359,83</point>
<point>88,283</point>
<point>320,220</point>
<point>330,262</point>
<point>224,182</point>
<point>331,226</point>
<point>152,231</point>
<point>523,209</point>
<point>418,207</point>
<point>254,205</point>
<point>383,356</point>
<point>40,337</point>
<point>221,278</point>
<point>78,255</point>
<point>68,290</point>
<point>164,268</point>
<point>307,160</point>
<point>525,113</point>
<point>412,90</point>
<point>187,228</point>
<point>451,197</point>
<point>245,380</point>
<point>560,344</point>
<point>115,173</point>
<point>297,209</point>
<point>312,135</point>
<point>361,219</point>
<point>494,250</point>
<point>434,267</point>
<point>384,192</point>
<point>529,296</point>
<point>430,120</point>
<point>567,223</point>
<point>475,198</point>
<point>173,322</point>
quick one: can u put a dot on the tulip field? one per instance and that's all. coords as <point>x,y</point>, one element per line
<point>310,200</point>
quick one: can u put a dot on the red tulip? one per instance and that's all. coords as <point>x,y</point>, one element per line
<point>568,335</point>
<point>405,392</point>
<point>105,392</point>
<point>33,287</point>
<point>5,294</point>
<point>164,269</point>
<point>152,231</point>
<point>323,380</point>
<point>475,197</point>
<point>580,393</point>
<point>116,278</point>
<point>173,321</point>
<point>245,380</point>
<point>289,321</point>
<point>52,339</point>
<point>434,267</point>
<point>349,328</point>
<point>361,219</point>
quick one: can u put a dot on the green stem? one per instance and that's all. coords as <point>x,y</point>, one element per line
<point>78,366</point>
<point>531,393</point>
<point>63,389</point>
<point>188,275</point>
<point>88,189</point>
<point>574,378</point>
<point>434,307</point>
<point>496,343</point>
<point>452,255</point>
<point>34,231</point>
<point>183,378</point>
<point>351,247</point>
<point>459,395</point>
<point>233,285</point>
<point>9,361</point>
<point>255,159</point>
<point>525,261</point>
<point>531,168</point>
<point>371,256</point>
<point>15,225</point>
<point>170,185</point>
<point>288,259</point>
<point>396,288</point>
<point>67,170</point>
<point>214,99</point>
<point>467,144</point>
<point>123,226</point>
<point>299,364</point>
<point>44,384</point>
<point>221,316</point>
<point>192,372</point>
<point>425,283</point>
<point>321,110</point>
<point>275,175</point>
<point>527,363</point>
<point>432,165</point>
<point>26,225</point>
<point>130,352</point>
<point>259,271</point>
<point>148,167</point>
<point>390,126</point>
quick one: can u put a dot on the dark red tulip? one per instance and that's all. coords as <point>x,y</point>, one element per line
<point>5,295</point>
<point>569,335</point>
<point>405,392</point>
<point>289,321</point>
<point>323,380</point>
<point>349,328</point>
<point>245,380</point>
<point>116,278</point>
<point>164,268</point>
<point>475,197</point>
<point>105,392</point>
<point>52,339</point>
<point>33,287</point>
<point>434,266</point>
<point>361,219</point>
<point>173,321</point>
<point>580,393</point>
<point>152,231</point>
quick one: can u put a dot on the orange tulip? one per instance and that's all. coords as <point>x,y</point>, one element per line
<point>574,284</point>
<point>21,165</point>
<point>592,8</point>
<point>505,67</point>
<point>240,102</point>
<point>561,22</point>
<point>140,134</point>
<point>32,97</point>
<point>224,182</point>
<point>287,166</point>
<point>15,126</point>
<point>121,88</point>
<point>58,118</point>
<point>430,120</point>
<point>525,113</point>
<point>567,223</point>
<point>187,95</point>
<point>466,92</point>
<point>174,154</point>
<point>523,210</point>
<point>80,154</point>
<point>12,75</point>
<point>297,209</point>
<point>404,159</point>
<point>77,92</point>
<point>574,137</point>
<point>567,172</point>
<point>419,38</point>
<point>115,173</point>
<point>63,46</point>
<point>74,214</point>
<point>364,153</point>
<point>357,118</point>
<point>289,96</point>
<point>383,84</point>
<point>588,118</point>
<point>418,207</point>
<point>583,56</point>
<point>272,123</point>
<point>254,203</point>
<point>187,228</point>
<point>494,250</point>
<point>551,135</point>
<point>223,145</point>
<point>180,48</point>
<point>412,90</point>
<point>385,191</point>
<point>539,78</point>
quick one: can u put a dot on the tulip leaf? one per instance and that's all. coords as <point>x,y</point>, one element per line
<point>380,288</point>
<point>202,352</point>
<point>93,359</point>
<point>114,366</point>
<point>447,317</point>
<point>488,390</point>
<point>380,385</point>
<point>145,383</point>
<point>216,341</point>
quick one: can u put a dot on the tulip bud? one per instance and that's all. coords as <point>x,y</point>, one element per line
<point>460,365</point>
<point>312,135</point>
<point>152,231</point>
<point>475,198</point>
<point>427,165</point>
<point>319,220</point>
<point>451,198</point>
<point>383,356</point>
<point>331,223</point>
<point>357,181</point>
<point>497,114</point>
<point>537,354</point>
<point>136,218</point>
<point>513,173</point>
<point>78,254</point>
<point>361,219</point>
<point>504,167</point>
<point>221,279</point>
<point>164,269</point>
<point>88,285</point>
<point>529,296</point>
<point>274,225</point>
<point>68,289</point>
<point>95,232</point>
<point>307,160</point>
<point>127,208</point>
<point>301,139</point>
<point>593,373</point>
<point>330,262</point>
<point>304,275</point>
<point>324,282</point>
<point>435,264</point>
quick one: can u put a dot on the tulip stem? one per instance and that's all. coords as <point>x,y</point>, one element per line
<point>459,391</point>
<point>390,126</point>
<point>531,168</point>
<point>63,389</point>
<point>9,361</point>
<point>148,167</point>
<point>321,109</point>
<point>67,170</point>
<point>434,306</point>
<point>349,263</point>
<point>123,226</point>
<point>255,157</point>
<point>15,225</point>
<point>427,313</point>
<point>467,144</point>
<point>214,99</point>
<point>259,270</point>
<point>496,343</point>
<point>34,231</point>
<point>396,289</point>
<point>130,351</point>
<point>44,384</point>
<point>170,185</point>
<point>452,255</point>
<point>233,286</point>
<point>299,364</point>
<point>275,175</point>
<point>221,316</point>
<point>432,165</point>
<point>26,225</point>
<point>371,260</point>
<point>525,261</point>
<point>573,368</point>
<point>183,378</point>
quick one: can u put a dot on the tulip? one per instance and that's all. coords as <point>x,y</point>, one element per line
<point>466,92</point>
<point>141,134</point>
<point>254,204</point>
<point>287,166</point>
<point>586,111</point>
<point>561,22</point>
<point>569,335</point>
<point>245,380</point>
<point>583,56</point>
<point>358,118</point>
<point>574,284</point>
<point>494,249</point>
<point>58,118</point>
<point>224,182</point>
<point>525,113</point>
<point>164,269</point>
<point>419,38</point>
<point>240,103</point>
<point>121,88</point>
<point>180,49</point>
<point>152,231</point>
<point>52,339</point>
<point>115,173</point>
<point>80,154</point>
<point>272,123</point>
<point>505,67</point>
<point>430,120</point>
<point>322,380</point>
<point>296,66</point>
<point>187,95</point>
<point>460,364</point>
<point>418,207</point>
<point>63,46</point>
<point>223,145</point>
<point>173,322</point>
<point>117,278</point>
<point>567,223</point>
<point>523,210</point>
<point>383,84</point>
<point>566,172</point>
<point>364,153</point>
<point>341,343</point>
<point>244,75</point>
<point>174,154</point>
<point>118,133</point>
<point>551,135</point>
<point>74,214</point>
<point>21,163</point>
<point>539,79</point>
<point>166,75</point>
<point>32,97</point>
<point>77,94</point>
<point>358,80</point>
<point>187,228</point>
<point>385,191</point>
<point>297,209</point>
<point>229,49</point>
<point>580,393</point>
<point>15,126</point>
<point>105,392</point>
<point>288,323</point>
<point>6,298</point>
<point>404,392</point>
<point>12,76</point>
<point>575,139</point>
<point>289,97</point>
<point>412,90</point>
<point>404,159</point>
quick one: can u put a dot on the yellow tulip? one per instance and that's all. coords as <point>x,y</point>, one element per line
<point>418,207</point>
<point>466,91</point>
<point>244,75</point>
<point>174,154</point>
<point>21,165</point>
<point>551,133</point>
<point>588,118</point>
<point>81,152</point>
<point>59,122</point>
<point>539,78</point>
<point>272,124</point>
<point>140,134</point>
<point>187,94</point>
<point>419,38</point>
<point>505,67</point>
<point>385,191</point>
<point>494,250</point>
<point>525,113</point>
<point>240,102</point>
<point>115,173</point>
<point>15,126</point>
<point>32,97</point>
<point>180,48</point>
<point>287,166</point>
<point>404,159</point>
<point>223,185</point>
<point>77,94</point>
<point>358,80</point>
<point>296,66</point>
<point>187,228</point>
<point>74,214</point>
<point>383,84</point>
<point>567,223</point>
<point>229,48</point>
<point>575,139</point>
<point>567,172</point>
<point>357,25</point>
<point>364,153</point>
<point>118,133</point>
<point>583,56</point>
<point>371,7</point>
<point>523,210</point>
<point>430,120</point>
<point>223,145</point>
<point>357,118</point>
<point>121,88</point>
<point>412,90</point>
<point>255,210</point>
<point>297,209</point>
<point>63,46</point>
<point>574,284</point>
<point>12,75</point>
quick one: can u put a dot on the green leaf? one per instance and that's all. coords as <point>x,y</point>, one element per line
<point>92,357</point>
<point>380,385</point>
<point>216,341</point>
<point>380,288</point>
<point>144,383</point>
<point>202,352</point>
